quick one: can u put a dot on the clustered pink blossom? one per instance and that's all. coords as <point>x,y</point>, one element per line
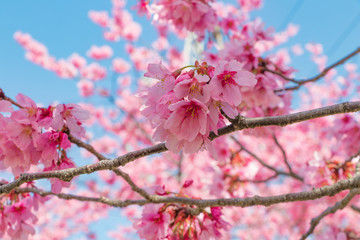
<point>120,25</point>
<point>23,141</point>
<point>173,221</point>
<point>184,106</point>
<point>16,215</point>
<point>100,53</point>
<point>192,15</point>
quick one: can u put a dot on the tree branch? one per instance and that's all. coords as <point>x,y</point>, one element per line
<point>341,185</point>
<point>284,154</point>
<point>315,78</point>
<point>338,206</point>
<point>117,171</point>
<point>257,181</point>
<point>242,123</point>
<point>245,123</point>
<point>66,196</point>
<point>86,146</point>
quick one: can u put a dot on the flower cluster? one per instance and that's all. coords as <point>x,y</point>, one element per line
<point>186,106</point>
<point>16,215</point>
<point>120,25</point>
<point>194,15</point>
<point>176,221</point>
<point>33,135</point>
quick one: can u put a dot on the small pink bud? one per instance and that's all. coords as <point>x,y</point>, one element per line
<point>188,183</point>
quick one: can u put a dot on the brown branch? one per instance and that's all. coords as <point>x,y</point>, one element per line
<point>284,154</point>
<point>350,159</point>
<point>317,77</point>
<point>338,206</point>
<point>242,123</point>
<point>355,208</point>
<point>280,75</point>
<point>341,185</point>
<point>117,171</point>
<point>245,123</point>
<point>4,97</point>
<point>86,146</point>
<point>83,198</point>
<point>257,181</point>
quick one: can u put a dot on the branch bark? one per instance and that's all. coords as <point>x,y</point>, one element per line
<point>341,185</point>
<point>242,123</point>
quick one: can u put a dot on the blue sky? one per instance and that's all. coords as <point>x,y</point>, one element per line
<point>64,27</point>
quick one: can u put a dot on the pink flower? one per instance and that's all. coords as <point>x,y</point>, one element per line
<point>93,72</point>
<point>160,72</point>
<point>49,143</point>
<point>213,226</point>
<point>195,87</point>
<point>100,53</point>
<point>86,88</point>
<point>248,5</point>
<point>66,69</point>
<point>18,216</point>
<point>5,106</point>
<point>314,48</point>
<point>154,223</point>
<point>70,115</point>
<point>131,31</point>
<point>160,44</point>
<point>56,184</point>
<point>99,17</point>
<point>193,15</point>
<point>187,120</point>
<point>142,7</point>
<point>228,79</point>
<point>119,65</point>
<point>78,61</point>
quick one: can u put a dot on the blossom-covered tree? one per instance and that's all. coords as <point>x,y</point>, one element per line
<point>203,142</point>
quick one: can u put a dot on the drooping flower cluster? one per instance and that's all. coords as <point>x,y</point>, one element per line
<point>32,135</point>
<point>185,106</point>
<point>176,221</point>
<point>16,215</point>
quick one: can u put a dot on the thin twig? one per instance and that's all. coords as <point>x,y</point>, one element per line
<point>283,153</point>
<point>278,172</point>
<point>117,171</point>
<point>86,146</point>
<point>317,77</point>
<point>257,181</point>
<point>66,196</point>
<point>4,97</point>
<point>355,208</point>
<point>280,75</point>
<point>179,174</point>
<point>350,159</point>
<point>338,206</point>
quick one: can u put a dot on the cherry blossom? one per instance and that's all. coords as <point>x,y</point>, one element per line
<point>71,115</point>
